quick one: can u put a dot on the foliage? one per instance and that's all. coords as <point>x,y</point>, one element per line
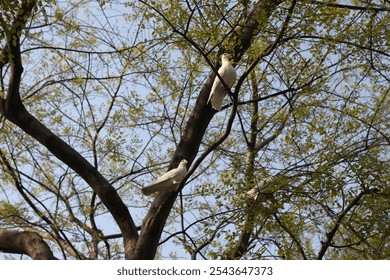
<point>118,82</point>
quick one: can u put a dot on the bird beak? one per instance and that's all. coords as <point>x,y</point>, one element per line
<point>229,56</point>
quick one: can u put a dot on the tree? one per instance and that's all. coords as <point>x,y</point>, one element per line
<point>98,97</point>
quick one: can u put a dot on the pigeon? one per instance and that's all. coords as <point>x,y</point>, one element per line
<point>169,181</point>
<point>261,187</point>
<point>218,91</point>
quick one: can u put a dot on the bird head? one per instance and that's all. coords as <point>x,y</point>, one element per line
<point>226,57</point>
<point>184,161</point>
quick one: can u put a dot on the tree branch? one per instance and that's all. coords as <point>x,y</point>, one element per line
<point>28,243</point>
<point>330,235</point>
<point>369,6</point>
<point>292,235</point>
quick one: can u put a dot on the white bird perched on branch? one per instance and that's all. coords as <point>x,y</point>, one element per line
<point>229,76</point>
<point>167,182</point>
<point>262,187</point>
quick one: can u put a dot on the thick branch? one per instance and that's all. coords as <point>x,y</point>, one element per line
<point>253,24</point>
<point>11,54</point>
<point>27,243</point>
<point>81,166</point>
<point>16,27</point>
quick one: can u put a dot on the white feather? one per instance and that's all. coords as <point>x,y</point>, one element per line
<point>167,182</point>
<point>218,91</point>
<point>262,187</point>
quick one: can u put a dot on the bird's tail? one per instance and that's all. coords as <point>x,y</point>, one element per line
<point>149,190</point>
<point>216,103</point>
<point>208,101</point>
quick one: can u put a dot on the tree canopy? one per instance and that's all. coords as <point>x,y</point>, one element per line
<point>98,98</point>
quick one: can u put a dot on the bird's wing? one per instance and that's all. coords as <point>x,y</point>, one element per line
<point>264,185</point>
<point>171,174</point>
<point>218,91</point>
<point>230,76</point>
<point>216,85</point>
<point>164,185</point>
<point>222,71</point>
<point>167,182</point>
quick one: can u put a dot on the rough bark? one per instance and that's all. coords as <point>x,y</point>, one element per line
<point>254,23</point>
<point>26,243</point>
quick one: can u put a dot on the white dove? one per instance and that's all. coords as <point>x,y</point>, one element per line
<point>262,187</point>
<point>218,91</point>
<point>167,182</point>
